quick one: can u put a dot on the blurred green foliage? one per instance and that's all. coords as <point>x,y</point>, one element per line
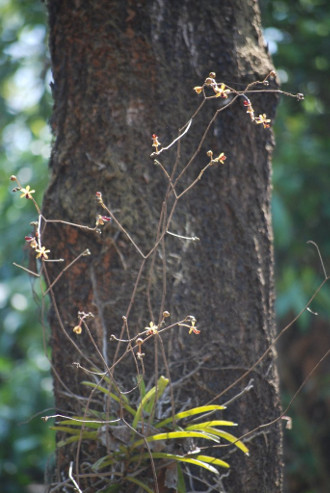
<point>25,382</point>
<point>298,35</point>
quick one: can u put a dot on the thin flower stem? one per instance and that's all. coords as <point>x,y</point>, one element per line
<point>175,140</point>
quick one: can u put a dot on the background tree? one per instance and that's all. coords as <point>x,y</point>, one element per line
<point>121,74</point>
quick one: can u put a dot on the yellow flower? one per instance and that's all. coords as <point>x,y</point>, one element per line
<point>155,142</point>
<point>221,92</point>
<point>152,329</point>
<point>100,220</point>
<point>42,253</point>
<point>77,329</point>
<point>198,89</point>
<point>262,119</point>
<point>31,240</point>
<point>193,328</point>
<point>26,192</point>
<point>249,109</point>
<point>220,159</point>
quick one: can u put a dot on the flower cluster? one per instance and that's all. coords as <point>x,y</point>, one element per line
<point>259,120</point>
<point>219,88</point>
<point>25,192</point>
<point>34,242</point>
<point>41,251</point>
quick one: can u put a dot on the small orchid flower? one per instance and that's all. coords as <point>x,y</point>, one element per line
<point>31,240</point>
<point>100,220</point>
<point>221,91</point>
<point>152,329</point>
<point>198,89</point>
<point>26,192</point>
<point>262,119</point>
<point>155,142</point>
<point>42,253</point>
<point>77,329</point>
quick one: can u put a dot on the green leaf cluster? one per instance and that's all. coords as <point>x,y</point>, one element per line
<point>141,439</point>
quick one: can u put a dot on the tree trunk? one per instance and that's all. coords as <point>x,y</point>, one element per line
<point>122,72</point>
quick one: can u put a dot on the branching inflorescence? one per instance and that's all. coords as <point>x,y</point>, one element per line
<point>144,434</point>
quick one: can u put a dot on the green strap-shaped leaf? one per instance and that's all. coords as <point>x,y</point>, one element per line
<point>142,386</point>
<point>212,460</point>
<point>122,399</point>
<point>75,431</point>
<point>178,434</point>
<point>139,483</point>
<point>103,462</point>
<point>114,488</point>
<point>111,383</point>
<point>227,436</point>
<point>76,438</point>
<point>190,412</point>
<point>150,399</point>
<point>199,460</point>
<point>181,482</point>
<point>208,424</point>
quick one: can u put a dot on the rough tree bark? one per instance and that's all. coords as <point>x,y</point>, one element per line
<point>123,71</point>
